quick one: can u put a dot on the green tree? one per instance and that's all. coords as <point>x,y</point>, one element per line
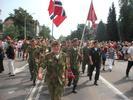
<point>23,19</point>
<point>11,31</point>
<point>1,26</point>
<point>78,33</point>
<point>62,38</point>
<point>45,32</point>
<point>126,19</point>
<point>1,29</point>
<point>112,29</point>
<point>101,32</point>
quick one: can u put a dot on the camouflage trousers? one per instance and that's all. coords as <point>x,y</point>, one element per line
<point>33,71</point>
<point>56,91</point>
<point>76,74</point>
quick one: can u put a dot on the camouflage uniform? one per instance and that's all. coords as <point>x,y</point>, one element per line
<point>24,48</point>
<point>55,66</point>
<point>32,63</point>
<point>75,59</point>
<point>43,49</point>
<point>85,61</point>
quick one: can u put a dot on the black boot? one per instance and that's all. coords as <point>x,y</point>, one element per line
<point>90,78</point>
<point>34,82</point>
<point>95,83</point>
<point>74,89</point>
<point>103,69</point>
<point>69,82</point>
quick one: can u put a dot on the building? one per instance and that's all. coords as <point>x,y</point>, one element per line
<point>8,22</point>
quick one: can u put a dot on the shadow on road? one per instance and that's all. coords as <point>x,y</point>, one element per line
<point>129,93</point>
<point>122,80</point>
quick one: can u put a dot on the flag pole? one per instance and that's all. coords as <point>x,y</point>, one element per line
<point>52,30</point>
<point>53,23</point>
<point>83,32</point>
<point>81,41</point>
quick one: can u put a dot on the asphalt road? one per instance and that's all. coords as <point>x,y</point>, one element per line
<point>112,85</point>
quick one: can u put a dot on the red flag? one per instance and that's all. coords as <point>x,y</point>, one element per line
<point>92,15</point>
<point>56,12</point>
<point>51,7</point>
<point>58,20</point>
<point>58,7</point>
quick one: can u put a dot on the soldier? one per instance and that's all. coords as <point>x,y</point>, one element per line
<point>55,64</point>
<point>1,59</point>
<point>74,64</point>
<point>24,48</point>
<point>63,46</point>
<point>85,62</point>
<point>31,60</point>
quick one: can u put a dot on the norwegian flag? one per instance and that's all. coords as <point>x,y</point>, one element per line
<point>56,12</point>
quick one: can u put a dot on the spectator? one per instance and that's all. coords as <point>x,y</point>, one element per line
<point>1,59</point>
<point>11,56</point>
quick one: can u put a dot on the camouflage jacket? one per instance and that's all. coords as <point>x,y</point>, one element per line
<point>55,66</point>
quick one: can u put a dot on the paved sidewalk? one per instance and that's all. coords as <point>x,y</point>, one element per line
<point>18,63</point>
<point>17,87</point>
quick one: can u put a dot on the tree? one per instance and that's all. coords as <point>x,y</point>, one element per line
<point>112,29</point>
<point>62,38</point>
<point>1,27</point>
<point>78,33</point>
<point>11,31</point>
<point>23,19</point>
<point>101,32</point>
<point>1,30</point>
<point>126,19</point>
<point>45,32</point>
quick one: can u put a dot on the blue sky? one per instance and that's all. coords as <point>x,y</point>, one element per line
<point>76,11</point>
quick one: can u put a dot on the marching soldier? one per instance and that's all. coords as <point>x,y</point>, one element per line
<point>43,46</point>
<point>74,63</point>
<point>24,48</point>
<point>85,61</point>
<point>32,62</point>
<point>64,47</point>
<point>55,64</point>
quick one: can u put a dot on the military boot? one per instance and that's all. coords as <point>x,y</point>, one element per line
<point>74,89</point>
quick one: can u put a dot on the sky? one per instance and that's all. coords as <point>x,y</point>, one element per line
<point>76,11</point>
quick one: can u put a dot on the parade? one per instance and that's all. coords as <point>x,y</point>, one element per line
<point>84,65</point>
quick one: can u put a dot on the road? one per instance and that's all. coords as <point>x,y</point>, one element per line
<point>112,85</point>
